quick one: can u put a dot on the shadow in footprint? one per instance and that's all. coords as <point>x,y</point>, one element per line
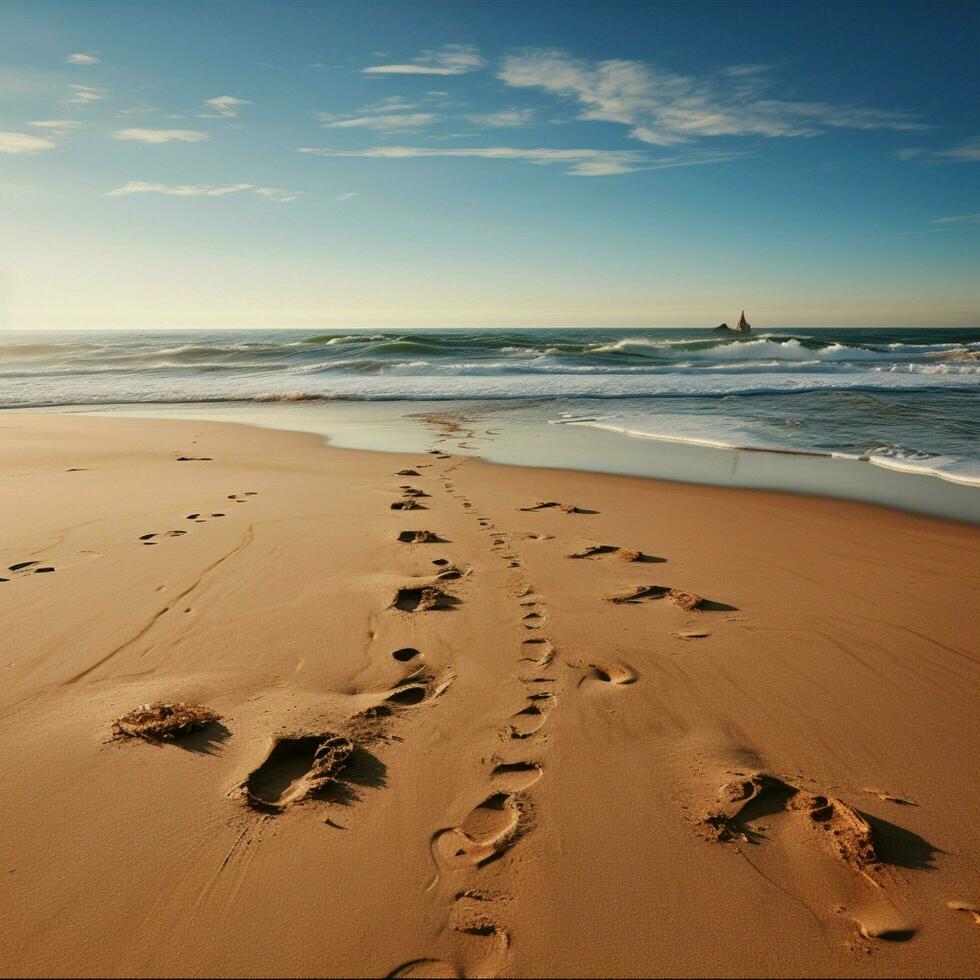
<point>405,654</point>
<point>900,847</point>
<point>423,600</point>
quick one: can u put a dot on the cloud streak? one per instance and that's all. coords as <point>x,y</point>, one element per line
<point>966,152</point>
<point>403,120</point>
<point>663,108</point>
<point>160,135</point>
<point>83,95</point>
<point>577,162</point>
<point>453,59</point>
<point>278,194</point>
<point>82,58</point>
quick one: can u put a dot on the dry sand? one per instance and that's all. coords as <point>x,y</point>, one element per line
<point>761,761</point>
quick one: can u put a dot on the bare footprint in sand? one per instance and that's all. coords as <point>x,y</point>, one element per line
<point>623,554</point>
<point>489,830</point>
<point>425,968</point>
<point>531,719</point>
<point>688,601</point>
<point>512,777</point>
<point>297,768</point>
<point>538,652</point>
<point>417,690</point>
<point>614,673</point>
<point>423,599</point>
<point>420,537</point>
<point>554,504</point>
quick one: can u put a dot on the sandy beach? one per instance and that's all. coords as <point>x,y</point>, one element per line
<point>588,725</point>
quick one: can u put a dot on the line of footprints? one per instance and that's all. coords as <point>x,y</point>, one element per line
<point>505,815</point>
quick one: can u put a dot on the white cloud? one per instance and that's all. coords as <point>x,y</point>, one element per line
<point>971,219</point>
<point>664,108</point>
<point>226,106</point>
<point>404,120</point>
<point>578,162</point>
<point>56,125</point>
<point>504,118</point>
<point>966,152</point>
<point>277,194</point>
<point>344,197</point>
<point>453,59</point>
<point>82,58</point>
<point>160,135</point>
<point>744,71</point>
<point>24,143</point>
<point>82,95</point>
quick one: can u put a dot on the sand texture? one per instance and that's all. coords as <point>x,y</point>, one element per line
<point>270,708</point>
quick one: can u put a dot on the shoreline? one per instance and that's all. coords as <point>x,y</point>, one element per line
<point>538,745</point>
<point>520,441</point>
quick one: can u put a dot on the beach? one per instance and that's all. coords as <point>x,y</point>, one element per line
<point>590,724</point>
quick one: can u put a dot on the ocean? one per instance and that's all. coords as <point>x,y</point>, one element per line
<point>901,398</point>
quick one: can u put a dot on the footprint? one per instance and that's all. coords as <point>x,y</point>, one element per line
<point>623,554</point>
<point>409,504</point>
<point>420,537</point>
<point>564,508</point>
<point>840,827</point>
<point>423,599</point>
<point>489,830</point>
<point>529,720</point>
<point>617,673</point>
<point>405,654</point>
<point>193,459</point>
<point>474,914</point>
<point>21,566</point>
<point>512,777</point>
<point>687,601</point>
<point>408,473</point>
<point>297,768</point>
<point>433,969</point>
<point>538,652</point>
<point>532,621</point>
<point>969,907</point>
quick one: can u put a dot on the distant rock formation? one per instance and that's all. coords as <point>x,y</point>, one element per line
<point>743,326</point>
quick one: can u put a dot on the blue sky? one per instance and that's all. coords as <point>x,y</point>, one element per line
<point>488,164</point>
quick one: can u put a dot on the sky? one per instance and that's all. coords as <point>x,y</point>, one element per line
<point>410,164</point>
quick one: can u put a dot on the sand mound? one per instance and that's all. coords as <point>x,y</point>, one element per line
<point>164,720</point>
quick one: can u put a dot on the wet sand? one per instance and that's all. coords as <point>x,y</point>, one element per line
<point>587,725</point>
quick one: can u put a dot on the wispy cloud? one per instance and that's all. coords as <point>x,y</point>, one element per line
<point>56,126</point>
<point>17,143</point>
<point>160,135</point>
<point>340,198</point>
<point>504,118</point>
<point>278,194</point>
<point>82,58</point>
<point>966,152</point>
<point>665,109</point>
<point>577,162</point>
<point>83,95</point>
<point>971,219</point>
<point>453,59</point>
<point>403,120</point>
<point>225,106</point>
